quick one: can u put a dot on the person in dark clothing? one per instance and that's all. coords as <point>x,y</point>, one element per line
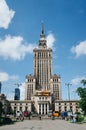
<point>40,117</point>
<point>29,115</point>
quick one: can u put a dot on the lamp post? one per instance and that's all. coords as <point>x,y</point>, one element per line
<point>68,85</point>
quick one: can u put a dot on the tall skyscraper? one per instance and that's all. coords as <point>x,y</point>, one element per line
<point>17,94</point>
<point>43,79</point>
<point>42,64</point>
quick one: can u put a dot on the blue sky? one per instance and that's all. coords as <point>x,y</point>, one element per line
<point>65,30</point>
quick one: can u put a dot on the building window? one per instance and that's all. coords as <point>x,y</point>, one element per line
<point>71,108</point>
<point>14,108</point>
<point>39,98</point>
<point>46,98</point>
<point>65,108</point>
<point>43,98</point>
<point>59,103</point>
<point>20,108</point>
<point>26,108</point>
<point>65,104</point>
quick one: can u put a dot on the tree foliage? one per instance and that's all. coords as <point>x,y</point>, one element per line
<point>82,93</point>
<point>83,82</point>
<point>1,108</point>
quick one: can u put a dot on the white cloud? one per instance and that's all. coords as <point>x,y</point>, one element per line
<point>50,40</point>
<point>13,47</point>
<point>79,49</point>
<point>6,14</point>
<point>5,77</point>
<point>77,80</point>
<point>22,91</point>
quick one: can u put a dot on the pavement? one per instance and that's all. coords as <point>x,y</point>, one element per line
<point>44,124</point>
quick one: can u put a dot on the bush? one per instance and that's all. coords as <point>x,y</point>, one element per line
<point>85,119</point>
<point>81,118</point>
<point>5,120</point>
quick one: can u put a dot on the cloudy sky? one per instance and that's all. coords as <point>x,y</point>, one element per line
<point>65,30</point>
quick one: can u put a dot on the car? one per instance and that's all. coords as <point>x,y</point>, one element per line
<point>55,114</point>
<point>49,113</point>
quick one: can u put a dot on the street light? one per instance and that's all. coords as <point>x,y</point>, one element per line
<point>68,85</point>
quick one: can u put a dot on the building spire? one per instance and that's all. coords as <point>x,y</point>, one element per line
<point>42,28</point>
<point>42,41</point>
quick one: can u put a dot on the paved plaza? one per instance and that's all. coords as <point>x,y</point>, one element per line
<point>46,124</point>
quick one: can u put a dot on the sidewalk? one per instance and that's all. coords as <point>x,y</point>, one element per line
<point>44,125</point>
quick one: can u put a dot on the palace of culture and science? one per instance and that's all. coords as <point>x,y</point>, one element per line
<point>43,79</point>
<point>43,89</point>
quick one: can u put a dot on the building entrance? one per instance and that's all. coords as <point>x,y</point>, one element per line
<point>43,108</point>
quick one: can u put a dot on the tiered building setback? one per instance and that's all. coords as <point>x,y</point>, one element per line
<point>43,79</point>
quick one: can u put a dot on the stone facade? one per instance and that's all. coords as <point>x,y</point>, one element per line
<point>65,105</point>
<point>17,105</point>
<point>43,88</point>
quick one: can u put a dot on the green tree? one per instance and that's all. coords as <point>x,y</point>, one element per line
<point>83,82</point>
<point>82,93</point>
<point>1,108</point>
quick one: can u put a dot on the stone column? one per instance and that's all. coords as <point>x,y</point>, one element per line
<point>47,107</point>
<point>38,108</point>
<point>44,108</point>
<point>41,108</point>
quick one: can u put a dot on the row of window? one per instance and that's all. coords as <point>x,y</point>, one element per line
<point>67,108</point>
<point>42,55</point>
<point>20,104</point>
<point>55,80</point>
<point>42,98</point>
<point>68,104</point>
<point>20,109</point>
<point>30,86</point>
<point>30,80</point>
